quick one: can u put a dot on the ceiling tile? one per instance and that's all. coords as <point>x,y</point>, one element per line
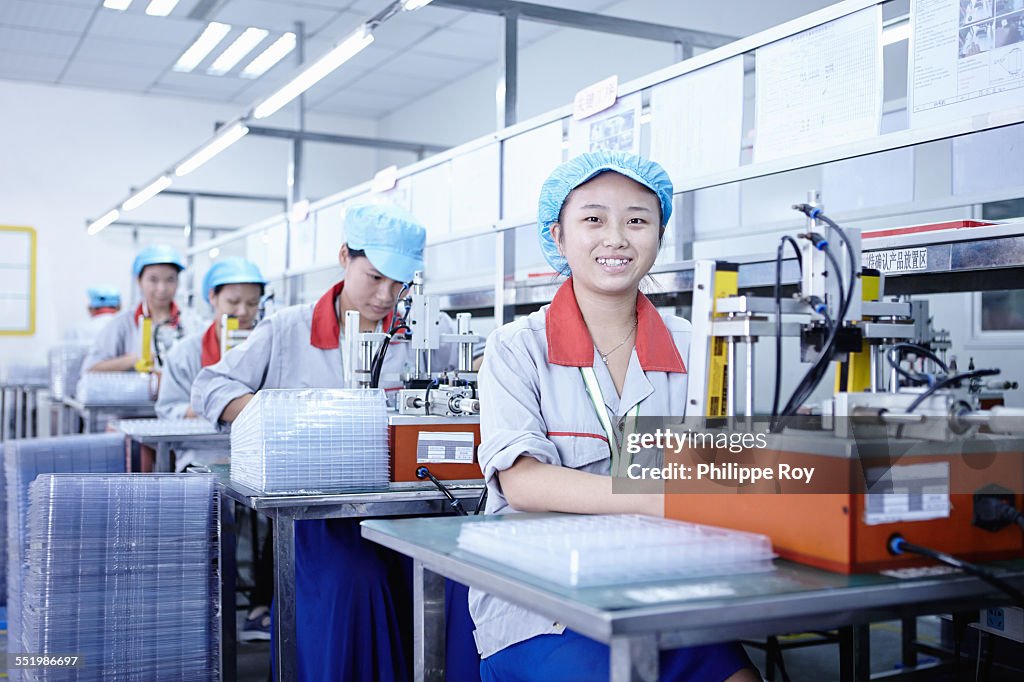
<point>271,15</point>
<point>420,65</point>
<point>390,83</point>
<point>461,45</point>
<point>341,25</point>
<point>197,81</point>
<point>97,49</point>
<point>23,66</point>
<point>400,35</point>
<point>105,74</point>
<point>478,22</point>
<point>160,30</point>
<point>34,41</point>
<point>45,15</point>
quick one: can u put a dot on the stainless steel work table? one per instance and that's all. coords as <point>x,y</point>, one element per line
<point>401,499</point>
<point>19,403</point>
<point>171,438</point>
<point>637,621</point>
<point>91,411</point>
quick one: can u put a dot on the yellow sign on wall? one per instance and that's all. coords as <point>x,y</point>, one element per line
<point>17,281</point>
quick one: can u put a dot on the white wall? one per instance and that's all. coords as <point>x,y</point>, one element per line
<point>69,154</point>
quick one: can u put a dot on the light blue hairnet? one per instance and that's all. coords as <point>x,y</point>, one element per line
<point>231,271</point>
<point>158,254</point>
<point>577,171</point>
<point>392,238</point>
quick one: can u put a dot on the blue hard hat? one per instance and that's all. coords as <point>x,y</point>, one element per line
<point>158,254</point>
<point>391,237</point>
<point>577,171</point>
<point>104,296</point>
<point>231,271</point>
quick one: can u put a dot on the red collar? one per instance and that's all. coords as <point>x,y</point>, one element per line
<point>326,330</point>
<point>211,346</point>
<point>96,312</point>
<point>569,341</point>
<point>175,314</point>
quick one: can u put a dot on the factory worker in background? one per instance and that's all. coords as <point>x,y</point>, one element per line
<point>118,346</point>
<point>104,303</point>
<point>557,387</point>
<point>353,597</point>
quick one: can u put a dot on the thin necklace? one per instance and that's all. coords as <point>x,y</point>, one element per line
<point>604,356</point>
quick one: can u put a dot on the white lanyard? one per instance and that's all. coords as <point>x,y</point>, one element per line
<point>593,387</point>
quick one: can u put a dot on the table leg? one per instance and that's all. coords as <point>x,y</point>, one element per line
<point>91,421</point>
<point>228,568</point>
<point>4,407</point>
<point>908,635</point>
<point>854,653</point>
<point>163,457</point>
<point>285,650</point>
<point>428,624</point>
<point>633,659</point>
<point>19,413</point>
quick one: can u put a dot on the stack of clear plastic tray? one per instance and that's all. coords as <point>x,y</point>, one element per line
<point>165,427</point>
<point>66,369</point>
<point>24,460</point>
<point>586,551</point>
<point>19,374</point>
<point>122,571</point>
<point>115,387</point>
<point>312,440</point>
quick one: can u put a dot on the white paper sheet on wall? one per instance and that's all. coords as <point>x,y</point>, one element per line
<point>697,121</point>
<point>16,258</point>
<point>529,160</point>
<point>819,88</point>
<point>475,178</point>
<point>616,128</point>
<point>966,59</point>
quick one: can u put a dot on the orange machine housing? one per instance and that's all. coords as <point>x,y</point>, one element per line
<point>829,531</point>
<point>404,440</point>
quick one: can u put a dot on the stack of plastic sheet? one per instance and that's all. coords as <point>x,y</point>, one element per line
<point>65,369</point>
<point>26,375</point>
<point>115,387</point>
<point>583,551</point>
<point>24,460</point>
<point>312,440</point>
<point>165,427</point>
<point>122,570</point>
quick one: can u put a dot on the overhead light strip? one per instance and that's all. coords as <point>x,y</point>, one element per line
<point>277,51</point>
<point>119,5</point>
<point>96,226</point>
<point>412,5</point>
<point>161,8</point>
<point>228,136</point>
<point>146,193</point>
<point>309,77</point>
<point>236,51</point>
<point>207,40</point>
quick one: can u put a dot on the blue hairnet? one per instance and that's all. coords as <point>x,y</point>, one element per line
<point>577,171</point>
<point>391,237</point>
<point>231,271</point>
<point>158,254</point>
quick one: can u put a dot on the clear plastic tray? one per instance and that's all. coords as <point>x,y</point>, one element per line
<point>584,551</point>
<point>116,387</point>
<point>165,427</point>
<point>312,440</point>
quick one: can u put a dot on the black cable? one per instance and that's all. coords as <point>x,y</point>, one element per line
<point>778,317</point>
<point>892,356</point>
<point>481,501</point>
<point>453,502</point>
<point>956,378</point>
<point>897,545</point>
<point>377,363</point>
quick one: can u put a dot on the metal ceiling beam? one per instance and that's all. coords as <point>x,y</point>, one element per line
<point>145,224</point>
<point>592,22</point>
<point>350,140</point>
<point>234,196</point>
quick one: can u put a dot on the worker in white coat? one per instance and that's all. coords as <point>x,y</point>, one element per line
<point>233,287</point>
<point>557,389</point>
<point>353,598</point>
<point>119,345</point>
<point>104,303</point>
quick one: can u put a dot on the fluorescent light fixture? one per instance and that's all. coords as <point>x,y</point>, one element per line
<point>207,40</point>
<point>161,8</point>
<point>348,48</point>
<point>411,5</point>
<point>227,137</point>
<point>896,33</point>
<point>214,252</point>
<point>146,193</point>
<point>277,51</point>
<point>236,51</point>
<point>102,222</point>
<point>119,5</point>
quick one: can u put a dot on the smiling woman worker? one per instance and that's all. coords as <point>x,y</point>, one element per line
<point>353,597</point>
<point>600,345</point>
<point>118,345</point>
<point>233,286</point>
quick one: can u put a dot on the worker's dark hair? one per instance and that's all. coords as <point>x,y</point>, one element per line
<point>355,253</point>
